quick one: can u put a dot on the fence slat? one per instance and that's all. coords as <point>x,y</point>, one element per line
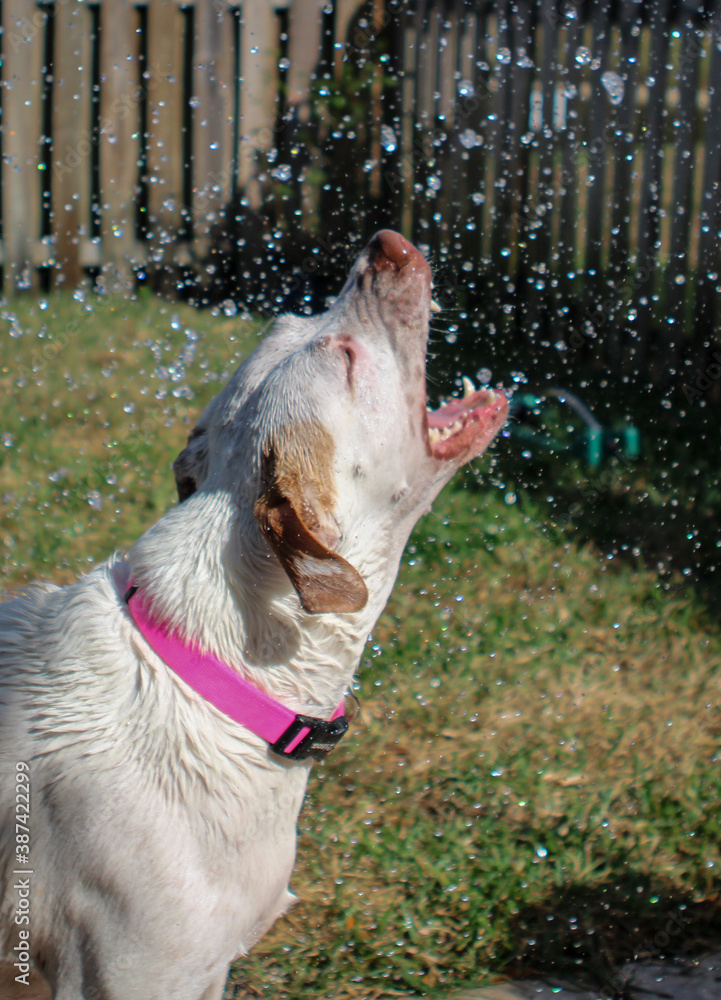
<point>460,202</point>
<point>567,234</point>
<point>684,123</point>
<point>212,137</point>
<point>705,312</point>
<point>624,122</point>
<point>539,227</point>
<point>22,128</point>
<point>479,105</point>
<point>426,40</point>
<point>72,140</point>
<point>390,204</point>
<point>444,153</point>
<point>597,153</point>
<point>259,60</point>
<point>118,139</point>
<point>498,155</point>
<point>646,277</point>
<point>165,117</point>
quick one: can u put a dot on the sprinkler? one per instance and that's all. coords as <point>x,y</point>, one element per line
<point>593,443</point>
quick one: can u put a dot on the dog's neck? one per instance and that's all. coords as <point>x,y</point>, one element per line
<point>210,576</point>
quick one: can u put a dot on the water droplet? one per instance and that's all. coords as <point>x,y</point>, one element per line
<point>469,139</point>
<point>503,56</point>
<point>583,55</point>
<point>541,851</point>
<point>614,86</point>
<point>389,140</point>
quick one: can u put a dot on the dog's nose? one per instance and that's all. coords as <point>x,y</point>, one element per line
<point>389,250</point>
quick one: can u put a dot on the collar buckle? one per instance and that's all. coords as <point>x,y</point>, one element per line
<point>321,738</point>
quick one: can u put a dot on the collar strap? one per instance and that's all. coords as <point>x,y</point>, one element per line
<point>290,735</point>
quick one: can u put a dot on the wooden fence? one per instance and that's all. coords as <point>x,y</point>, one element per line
<point>560,160</point>
<point>128,127</point>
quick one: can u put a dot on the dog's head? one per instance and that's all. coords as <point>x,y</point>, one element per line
<point>323,437</point>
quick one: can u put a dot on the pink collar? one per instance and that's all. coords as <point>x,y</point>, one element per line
<point>289,734</point>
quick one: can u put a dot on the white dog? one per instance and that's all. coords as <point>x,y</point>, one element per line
<point>150,708</point>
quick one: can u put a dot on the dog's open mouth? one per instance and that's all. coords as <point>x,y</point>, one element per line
<point>466,425</point>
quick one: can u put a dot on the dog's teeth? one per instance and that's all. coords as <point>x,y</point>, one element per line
<point>468,387</point>
<point>435,308</point>
<point>436,434</point>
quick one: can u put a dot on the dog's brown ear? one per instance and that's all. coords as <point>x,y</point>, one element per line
<point>190,465</point>
<point>323,580</point>
<point>293,512</point>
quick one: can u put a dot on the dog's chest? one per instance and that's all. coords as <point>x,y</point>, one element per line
<point>249,881</point>
<point>242,863</point>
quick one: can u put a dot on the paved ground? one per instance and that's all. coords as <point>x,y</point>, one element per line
<point>697,980</point>
<point>693,980</point>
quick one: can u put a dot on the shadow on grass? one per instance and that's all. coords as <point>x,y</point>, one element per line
<point>678,536</point>
<point>679,543</point>
<point>586,934</point>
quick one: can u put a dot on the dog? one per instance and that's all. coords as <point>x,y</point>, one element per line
<point>160,716</point>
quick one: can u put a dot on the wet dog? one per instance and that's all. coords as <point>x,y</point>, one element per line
<point>160,715</point>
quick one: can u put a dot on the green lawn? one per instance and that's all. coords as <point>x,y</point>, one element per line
<point>533,784</point>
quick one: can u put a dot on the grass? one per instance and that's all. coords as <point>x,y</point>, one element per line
<point>100,396</point>
<point>533,783</point>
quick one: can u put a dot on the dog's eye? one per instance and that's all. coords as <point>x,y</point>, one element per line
<point>348,355</point>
